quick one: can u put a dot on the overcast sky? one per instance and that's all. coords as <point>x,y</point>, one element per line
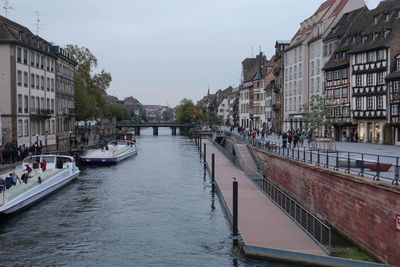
<point>160,51</point>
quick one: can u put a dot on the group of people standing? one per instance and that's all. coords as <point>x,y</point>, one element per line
<point>10,153</point>
<point>291,139</point>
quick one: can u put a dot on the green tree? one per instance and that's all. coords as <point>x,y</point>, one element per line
<point>315,114</point>
<point>90,87</point>
<point>117,110</point>
<point>186,111</point>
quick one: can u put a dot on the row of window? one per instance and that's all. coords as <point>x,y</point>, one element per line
<point>315,68</point>
<point>370,79</point>
<point>372,103</point>
<point>65,86</point>
<point>296,89</point>
<point>337,74</point>
<point>244,95</point>
<point>294,72</point>
<point>36,60</point>
<point>337,93</point>
<point>37,104</point>
<point>294,56</point>
<point>244,108</point>
<point>37,127</point>
<point>370,57</point>
<point>337,112</point>
<point>65,70</point>
<point>39,83</point>
<point>294,104</point>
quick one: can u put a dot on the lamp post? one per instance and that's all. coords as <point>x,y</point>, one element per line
<point>37,144</point>
<point>70,141</point>
<point>45,140</point>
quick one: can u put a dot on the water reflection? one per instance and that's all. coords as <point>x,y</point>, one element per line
<point>155,209</point>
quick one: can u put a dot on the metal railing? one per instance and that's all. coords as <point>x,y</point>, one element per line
<point>314,227</point>
<point>374,166</point>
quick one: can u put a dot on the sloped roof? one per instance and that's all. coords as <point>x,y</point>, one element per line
<point>344,24</point>
<point>11,31</point>
<point>370,27</point>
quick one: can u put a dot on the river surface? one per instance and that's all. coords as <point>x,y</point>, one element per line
<point>154,209</point>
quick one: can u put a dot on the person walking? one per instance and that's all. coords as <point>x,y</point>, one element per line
<point>290,139</point>
<point>284,139</point>
<point>296,139</point>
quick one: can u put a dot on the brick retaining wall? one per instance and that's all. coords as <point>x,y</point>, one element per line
<point>360,208</point>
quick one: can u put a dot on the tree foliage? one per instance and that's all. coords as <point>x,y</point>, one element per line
<point>117,110</point>
<point>315,114</point>
<point>186,111</point>
<point>90,87</point>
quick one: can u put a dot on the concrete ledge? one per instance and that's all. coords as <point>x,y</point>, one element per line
<point>290,256</point>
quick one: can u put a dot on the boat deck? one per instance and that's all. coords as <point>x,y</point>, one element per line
<point>21,187</point>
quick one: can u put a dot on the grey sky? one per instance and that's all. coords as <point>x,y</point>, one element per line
<point>161,51</point>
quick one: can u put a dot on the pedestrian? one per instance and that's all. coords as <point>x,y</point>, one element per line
<point>290,139</point>
<point>301,139</point>
<point>43,165</point>
<point>296,139</point>
<point>284,139</point>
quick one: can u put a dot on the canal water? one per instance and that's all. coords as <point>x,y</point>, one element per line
<point>154,209</point>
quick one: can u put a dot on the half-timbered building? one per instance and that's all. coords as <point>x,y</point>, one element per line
<point>370,64</point>
<point>337,78</point>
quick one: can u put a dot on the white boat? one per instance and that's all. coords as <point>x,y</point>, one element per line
<point>39,183</point>
<point>113,152</point>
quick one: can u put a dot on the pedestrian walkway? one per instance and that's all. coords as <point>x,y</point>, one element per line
<point>246,157</point>
<point>261,222</point>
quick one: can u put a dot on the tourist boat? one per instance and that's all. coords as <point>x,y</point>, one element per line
<point>36,183</point>
<point>113,152</point>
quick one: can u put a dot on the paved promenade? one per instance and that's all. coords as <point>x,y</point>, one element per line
<point>261,223</point>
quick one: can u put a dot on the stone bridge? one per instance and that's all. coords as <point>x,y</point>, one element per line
<point>124,127</point>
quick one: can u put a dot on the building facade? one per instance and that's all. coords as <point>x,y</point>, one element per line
<point>304,59</point>
<point>277,85</point>
<point>27,86</point>
<point>337,79</point>
<point>65,97</point>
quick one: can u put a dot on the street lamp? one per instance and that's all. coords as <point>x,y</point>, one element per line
<point>45,140</point>
<point>37,144</point>
<point>70,141</point>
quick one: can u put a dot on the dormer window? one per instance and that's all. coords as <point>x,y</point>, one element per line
<point>354,40</point>
<point>364,39</point>
<point>387,17</point>
<point>387,32</point>
<point>376,18</point>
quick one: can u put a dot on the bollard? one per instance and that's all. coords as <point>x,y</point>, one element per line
<point>200,146</point>
<point>235,231</point>
<point>205,153</point>
<point>396,173</point>
<point>213,171</point>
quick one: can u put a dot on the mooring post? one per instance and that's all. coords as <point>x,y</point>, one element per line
<point>200,147</point>
<point>205,153</point>
<point>235,231</point>
<point>212,171</point>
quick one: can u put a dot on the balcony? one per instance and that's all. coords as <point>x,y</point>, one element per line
<point>276,106</point>
<point>69,111</point>
<point>39,112</point>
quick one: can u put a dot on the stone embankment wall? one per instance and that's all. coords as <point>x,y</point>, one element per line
<point>360,208</point>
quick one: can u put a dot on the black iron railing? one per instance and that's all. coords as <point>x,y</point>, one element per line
<point>314,227</point>
<point>369,165</point>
